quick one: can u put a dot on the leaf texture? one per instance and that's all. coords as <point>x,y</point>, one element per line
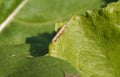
<point>91,43</point>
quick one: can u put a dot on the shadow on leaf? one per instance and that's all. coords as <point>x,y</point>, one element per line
<point>109,1</point>
<point>39,44</point>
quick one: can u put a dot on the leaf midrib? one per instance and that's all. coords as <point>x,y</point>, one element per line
<point>12,15</point>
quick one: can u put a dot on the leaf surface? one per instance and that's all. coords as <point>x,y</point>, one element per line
<point>44,67</point>
<point>28,31</point>
<point>34,22</point>
<point>91,43</point>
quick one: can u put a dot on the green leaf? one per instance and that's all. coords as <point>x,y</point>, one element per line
<point>29,26</point>
<point>38,16</point>
<point>15,65</point>
<point>91,43</point>
<point>34,22</point>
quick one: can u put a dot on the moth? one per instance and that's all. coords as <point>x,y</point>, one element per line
<point>59,33</point>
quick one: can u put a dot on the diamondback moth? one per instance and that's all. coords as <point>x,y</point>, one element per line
<point>59,33</point>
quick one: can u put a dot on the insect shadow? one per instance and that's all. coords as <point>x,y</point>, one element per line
<point>39,44</point>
